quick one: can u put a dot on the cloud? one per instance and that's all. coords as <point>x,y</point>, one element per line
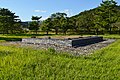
<point>44,18</point>
<point>68,12</point>
<point>42,11</point>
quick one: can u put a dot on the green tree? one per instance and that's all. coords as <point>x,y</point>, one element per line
<point>34,25</point>
<point>56,20</point>
<point>74,25</point>
<point>8,21</point>
<point>36,18</point>
<point>99,19</point>
<point>47,25</point>
<point>86,21</point>
<point>107,14</point>
<point>83,22</point>
<point>64,24</point>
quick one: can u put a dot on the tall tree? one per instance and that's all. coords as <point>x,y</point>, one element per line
<point>107,14</point>
<point>34,25</point>
<point>56,18</point>
<point>8,21</point>
<point>47,25</point>
<point>64,24</point>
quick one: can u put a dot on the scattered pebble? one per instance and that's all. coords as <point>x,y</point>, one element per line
<point>85,50</point>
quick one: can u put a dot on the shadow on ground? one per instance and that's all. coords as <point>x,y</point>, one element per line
<point>10,39</point>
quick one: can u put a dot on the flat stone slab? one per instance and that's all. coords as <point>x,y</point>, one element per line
<point>71,42</point>
<point>86,41</point>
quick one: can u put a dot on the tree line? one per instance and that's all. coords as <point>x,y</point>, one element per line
<point>101,20</point>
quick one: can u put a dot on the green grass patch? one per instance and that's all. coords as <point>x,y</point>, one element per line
<point>18,37</point>
<point>30,64</point>
<point>113,36</point>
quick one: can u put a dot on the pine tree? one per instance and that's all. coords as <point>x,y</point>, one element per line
<point>107,14</point>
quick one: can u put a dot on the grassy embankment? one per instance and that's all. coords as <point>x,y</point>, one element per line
<point>30,64</point>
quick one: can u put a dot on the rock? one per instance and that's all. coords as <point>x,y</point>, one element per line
<point>84,50</point>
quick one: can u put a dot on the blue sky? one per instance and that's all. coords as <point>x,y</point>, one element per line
<point>27,8</point>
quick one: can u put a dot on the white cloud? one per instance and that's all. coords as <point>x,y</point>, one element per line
<point>44,18</point>
<point>68,12</point>
<point>42,11</point>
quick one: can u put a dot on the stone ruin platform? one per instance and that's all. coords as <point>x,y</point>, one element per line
<point>69,42</point>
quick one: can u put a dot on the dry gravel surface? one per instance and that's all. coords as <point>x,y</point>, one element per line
<point>85,50</point>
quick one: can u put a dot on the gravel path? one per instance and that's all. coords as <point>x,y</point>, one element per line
<point>89,49</point>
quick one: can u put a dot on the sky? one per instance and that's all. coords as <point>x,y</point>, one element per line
<point>25,9</point>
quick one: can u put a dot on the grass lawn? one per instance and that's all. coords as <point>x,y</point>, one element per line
<point>18,37</point>
<point>30,64</point>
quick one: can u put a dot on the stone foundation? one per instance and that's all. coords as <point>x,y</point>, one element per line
<point>70,42</point>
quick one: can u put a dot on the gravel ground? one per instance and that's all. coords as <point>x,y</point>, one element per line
<point>89,49</point>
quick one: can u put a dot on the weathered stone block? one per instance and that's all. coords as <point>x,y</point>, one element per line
<point>73,42</point>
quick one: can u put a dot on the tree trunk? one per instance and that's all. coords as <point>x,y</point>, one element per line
<point>56,30</point>
<point>96,32</point>
<point>47,32</point>
<point>110,30</point>
<point>36,31</point>
<point>64,32</point>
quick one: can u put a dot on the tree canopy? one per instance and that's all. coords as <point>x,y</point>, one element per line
<point>34,25</point>
<point>9,22</point>
<point>100,20</point>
